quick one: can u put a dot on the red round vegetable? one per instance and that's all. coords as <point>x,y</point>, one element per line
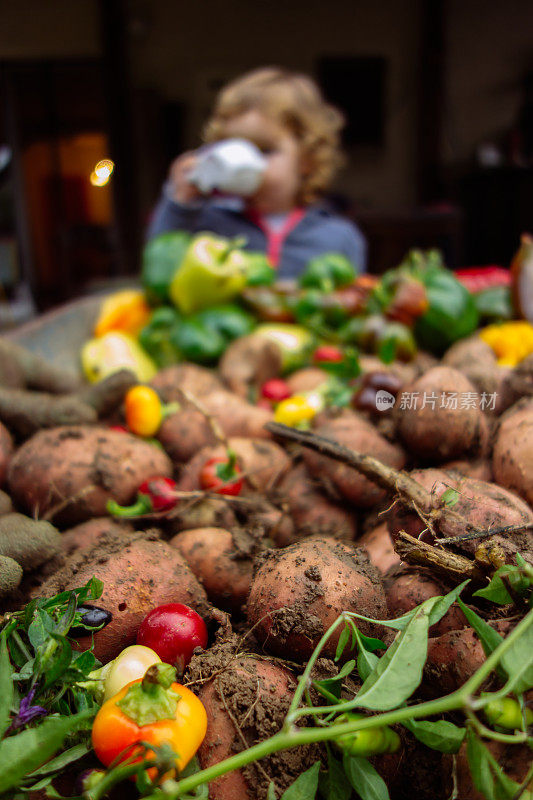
<point>173,631</point>
<point>276,390</point>
<point>220,474</point>
<point>328,353</point>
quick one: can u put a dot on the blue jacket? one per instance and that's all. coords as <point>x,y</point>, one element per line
<point>318,231</point>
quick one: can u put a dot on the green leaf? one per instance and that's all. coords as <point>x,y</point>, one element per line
<point>496,592</point>
<point>6,686</point>
<point>271,794</point>
<point>336,787</point>
<point>518,663</point>
<point>489,638</point>
<point>441,735</point>
<point>28,750</point>
<point>55,665</point>
<point>366,659</point>
<point>84,661</point>
<point>436,606</point>
<point>63,625</point>
<point>364,779</point>
<point>40,628</point>
<point>305,786</point>
<point>63,759</point>
<point>450,497</point>
<point>343,641</point>
<point>368,643</point>
<point>399,671</point>
<point>479,766</point>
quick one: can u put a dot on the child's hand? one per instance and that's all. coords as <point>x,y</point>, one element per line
<point>182,190</point>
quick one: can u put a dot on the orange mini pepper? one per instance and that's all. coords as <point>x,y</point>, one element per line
<point>125,311</point>
<point>144,410</point>
<point>154,710</point>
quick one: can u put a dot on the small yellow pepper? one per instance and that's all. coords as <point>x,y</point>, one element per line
<point>510,341</point>
<point>298,410</point>
<point>125,311</point>
<point>143,410</point>
<point>113,351</point>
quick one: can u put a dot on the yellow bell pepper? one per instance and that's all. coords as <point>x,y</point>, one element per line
<point>298,411</point>
<point>510,341</point>
<point>112,352</point>
<point>125,311</point>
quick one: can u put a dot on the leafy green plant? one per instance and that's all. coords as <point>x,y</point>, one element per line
<point>45,707</point>
<point>388,684</point>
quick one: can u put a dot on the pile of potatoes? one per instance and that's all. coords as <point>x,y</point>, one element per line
<point>308,538</point>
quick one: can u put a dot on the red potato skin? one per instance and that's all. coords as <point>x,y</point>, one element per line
<point>90,465</point>
<point>191,378</point>
<point>311,511</point>
<point>480,469</point>
<point>352,431</point>
<point>299,591</point>
<point>87,534</point>
<point>184,433</point>
<point>453,658</point>
<point>268,680</point>
<point>512,458</point>
<point>139,577</point>
<point>263,462</point>
<point>441,434</point>
<point>378,544</point>
<point>222,568</point>
<point>412,587</point>
<point>306,380</point>
<point>6,451</point>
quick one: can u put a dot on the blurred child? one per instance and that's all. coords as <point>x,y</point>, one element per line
<point>285,116</point>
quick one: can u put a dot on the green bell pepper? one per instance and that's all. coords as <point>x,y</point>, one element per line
<point>260,271</point>
<point>161,259</point>
<point>213,271</point>
<point>494,304</point>
<point>328,272</point>
<point>295,343</point>
<point>196,342</point>
<point>451,315</point>
<point>155,337</point>
<point>231,321</point>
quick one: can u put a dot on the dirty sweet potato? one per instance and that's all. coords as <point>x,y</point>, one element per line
<point>248,362</point>
<point>36,371</point>
<point>441,425</point>
<point>138,576</point>
<point>6,451</point>
<point>29,542</point>
<point>191,378</point>
<point>512,457</point>
<point>299,591</point>
<point>409,587</point>
<point>87,534</point>
<point>222,561</point>
<point>378,544</point>
<point>352,430</point>
<point>71,472</point>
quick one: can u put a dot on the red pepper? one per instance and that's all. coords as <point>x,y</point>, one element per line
<point>155,494</point>
<point>476,279</point>
<point>276,389</point>
<point>218,473</point>
<point>328,353</point>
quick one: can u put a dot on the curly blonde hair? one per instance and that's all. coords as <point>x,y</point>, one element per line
<point>294,100</point>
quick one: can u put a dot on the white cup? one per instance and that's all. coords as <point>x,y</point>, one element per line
<point>232,166</point>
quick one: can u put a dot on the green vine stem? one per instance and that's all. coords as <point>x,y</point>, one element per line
<point>291,736</point>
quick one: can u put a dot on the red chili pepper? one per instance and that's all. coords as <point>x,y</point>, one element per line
<point>476,279</point>
<point>276,390</point>
<point>119,428</point>
<point>218,474</point>
<point>155,494</point>
<point>328,353</point>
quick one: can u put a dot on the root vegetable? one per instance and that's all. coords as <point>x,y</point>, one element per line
<point>262,462</point>
<point>378,544</point>
<point>10,575</point>
<point>5,503</point>
<point>306,380</point>
<point>6,451</point>
<point>87,534</point>
<point>248,362</point>
<point>480,469</point>
<point>71,472</point>
<point>312,512</point>
<point>353,431</point>
<point>208,512</point>
<point>409,588</point>
<point>430,431</point>
<point>27,412</point>
<point>106,395</point>
<point>29,542</point>
<point>36,371</point>
<point>222,562</point>
<point>191,378</point>
<point>298,592</point>
<point>138,576</point>
<point>512,458</point>
<point>255,695</point>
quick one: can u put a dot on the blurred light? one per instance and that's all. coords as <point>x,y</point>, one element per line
<point>104,168</point>
<point>5,156</point>
<point>96,180</point>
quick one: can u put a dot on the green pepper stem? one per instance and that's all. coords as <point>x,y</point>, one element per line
<point>143,505</point>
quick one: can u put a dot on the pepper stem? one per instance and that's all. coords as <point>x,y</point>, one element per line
<point>152,699</point>
<point>142,505</point>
